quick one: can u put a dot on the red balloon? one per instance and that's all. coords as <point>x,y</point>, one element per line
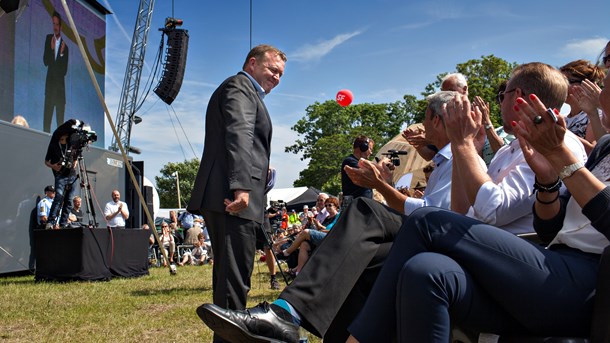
<point>344,97</point>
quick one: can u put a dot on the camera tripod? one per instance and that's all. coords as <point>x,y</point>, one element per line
<point>86,186</point>
<point>270,244</point>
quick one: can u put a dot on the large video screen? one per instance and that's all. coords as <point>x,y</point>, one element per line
<point>42,71</point>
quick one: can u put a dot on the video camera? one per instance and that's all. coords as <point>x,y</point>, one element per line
<point>80,135</point>
<point>393,156</point>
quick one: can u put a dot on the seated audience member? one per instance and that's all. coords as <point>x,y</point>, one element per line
<point>320,208</point>
<point>195,256</point>
<point>447,269</point>
<point>583,98</point>
<point>44,206</point>
<point>321,229</point>
<point>167,243</point>
<point>76,214</point>
<point>192,234</point>
<point>204,241</point>
<point>308,239</point>
<point>358,245</point>
<point>416,135</point>
<point>20,120</point>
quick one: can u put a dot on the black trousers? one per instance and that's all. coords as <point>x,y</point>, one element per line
<point>233,242</point>
<point>334,284</point>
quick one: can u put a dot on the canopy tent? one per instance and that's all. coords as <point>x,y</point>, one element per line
<point>294,198</point>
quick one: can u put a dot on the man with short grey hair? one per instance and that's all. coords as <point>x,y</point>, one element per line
<point>322,213</point>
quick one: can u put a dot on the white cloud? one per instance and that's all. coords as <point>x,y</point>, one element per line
<point>314,52</point>
<point>585,48</point>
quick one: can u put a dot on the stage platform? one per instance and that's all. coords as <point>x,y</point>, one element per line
<point>90,254</point>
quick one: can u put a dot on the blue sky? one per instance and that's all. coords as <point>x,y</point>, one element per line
<point>380,50</point>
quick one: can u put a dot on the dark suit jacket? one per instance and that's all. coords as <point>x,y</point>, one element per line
<point>236,149</point>
<point>57,68</point>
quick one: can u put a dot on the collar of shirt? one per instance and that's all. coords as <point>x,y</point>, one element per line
<point>259,89</point>
<point>57,45</point>
<point>442,155</point>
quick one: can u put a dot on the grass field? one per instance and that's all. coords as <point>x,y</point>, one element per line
<point>154,308</point>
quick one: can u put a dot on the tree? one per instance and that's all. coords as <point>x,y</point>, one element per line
<point>166,183</point>
<point>327,130</point>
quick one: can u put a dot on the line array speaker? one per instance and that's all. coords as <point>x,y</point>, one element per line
<point>175,63</point>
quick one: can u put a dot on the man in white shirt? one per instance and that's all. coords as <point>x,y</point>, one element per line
<point>116,211</point>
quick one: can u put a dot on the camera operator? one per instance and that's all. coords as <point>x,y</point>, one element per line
<point>363,148</point>
<point>63,164</point>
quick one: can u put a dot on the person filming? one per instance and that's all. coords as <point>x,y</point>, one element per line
<point>63,164</point>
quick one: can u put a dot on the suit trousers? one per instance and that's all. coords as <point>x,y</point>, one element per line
<point>52,102</point>
<point>446,269</point>
<point>334,284</point>
<point>233,242</point>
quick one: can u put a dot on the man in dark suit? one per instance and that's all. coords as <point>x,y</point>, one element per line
<point>55,58</point>
<point>230,185</point>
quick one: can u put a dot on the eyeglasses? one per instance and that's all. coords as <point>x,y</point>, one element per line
<point>500,96</point>
<point>329,205</point>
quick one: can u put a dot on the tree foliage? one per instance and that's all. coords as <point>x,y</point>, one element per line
<point>166,183</point>
<point>327,130</point>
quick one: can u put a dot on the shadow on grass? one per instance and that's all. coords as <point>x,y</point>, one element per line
<point>171,290</point>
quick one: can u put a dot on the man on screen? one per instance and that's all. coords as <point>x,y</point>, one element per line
<point>55,58</point>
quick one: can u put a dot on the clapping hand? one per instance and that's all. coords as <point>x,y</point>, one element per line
<point>539,141</point>
<point>461,123</point>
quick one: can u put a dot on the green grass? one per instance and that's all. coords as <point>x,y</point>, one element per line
<point>154,308</point>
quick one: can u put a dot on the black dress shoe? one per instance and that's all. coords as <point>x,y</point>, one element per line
<point>254,325</point>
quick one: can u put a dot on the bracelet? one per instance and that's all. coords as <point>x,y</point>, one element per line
<point>568,171</point>
<point>547,188</point>
<point>547,202</point>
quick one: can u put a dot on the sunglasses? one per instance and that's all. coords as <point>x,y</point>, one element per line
<point>605,59</point>
<point>329,205</point>
<point>500,96</point>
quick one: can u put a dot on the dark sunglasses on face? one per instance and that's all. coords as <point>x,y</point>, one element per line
<point>500,96</point>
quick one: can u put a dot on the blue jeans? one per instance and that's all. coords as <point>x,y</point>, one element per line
<point>65,189</point>
<point>446,269</point>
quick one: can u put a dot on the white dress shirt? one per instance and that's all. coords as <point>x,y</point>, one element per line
<point>507,200</point>
<point>111,208</point>
<point>438,190</point>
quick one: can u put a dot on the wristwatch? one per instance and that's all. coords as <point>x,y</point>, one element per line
<point>567,171</point>
<point>488,126</point>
